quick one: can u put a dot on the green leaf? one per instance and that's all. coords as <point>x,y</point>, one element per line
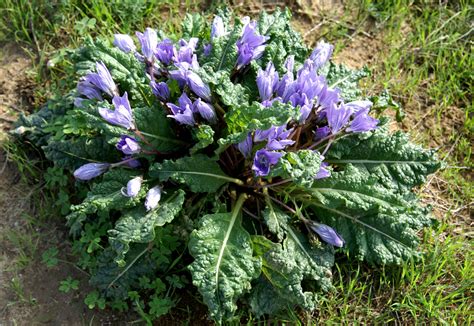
<point>199,172</point>
<point>205,137</point>
<point>224,266</point>
<point>285,268</point>
<point>346,80</point>
<point>104,196</point>
<point>138,226</point>
<point>396,161</point>
<point>301,167</point>
<point>284,40</point>
<point>377,222</point>
<point>193,25</point>
<point>276,220</point>
<point>230,94</point>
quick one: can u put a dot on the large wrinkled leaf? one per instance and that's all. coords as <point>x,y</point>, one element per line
<point>276,220</point>
<point>193,25</point>
<point>284,268</point>
<point>378,224</point>
<point>104,196</point>
<point>301,167</point>
<point>138,226</point>
<point>199,172</point>
<point>396,161</point>
<point>205,137</point>
<point>346,80</point>
<point>284,40</point>
<point>223,264</point>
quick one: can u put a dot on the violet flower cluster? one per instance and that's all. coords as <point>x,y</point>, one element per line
<point>321,107</point>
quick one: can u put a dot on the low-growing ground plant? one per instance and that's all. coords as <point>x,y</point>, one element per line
<point>233,159</point>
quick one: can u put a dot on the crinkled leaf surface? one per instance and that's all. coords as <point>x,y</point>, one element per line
<point>223,264</point>
<point>395,161</point>
<point>301,167</point>
<point>104,196</point>
<point>205,137</point>
<point>138,226</point>
<point>284,268</point>
<point>346,80</point>
<point>276,220</point>
<point>378,223</point>
<point>199,172</point>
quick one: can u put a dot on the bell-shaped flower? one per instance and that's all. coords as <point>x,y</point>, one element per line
<point>363,122</point>
<point>184,112</point>
<point>321,133</point>
<point>321,54</point>
<point>132,163</point>
<point>122,115</point>
<point>186,51</point>
<point>263,161</point>
<point>102,80</point>
<point>161,90</point>
<point>267,81</point>
<point>87,89</point>
<point>90,170</point>
<point>327,234</point>
<point>124,42</point>
<point>250,45</point>
<point>205,110</point>
<point>165,51</point>
<point>185,76</point>
<point>217,28</point>
<point>323,172</point>
<point>278,139</point>
<point>245,146</point>
<point>128,145</point>
<point>149,42</point>
<point>133,187</point>
<point>153,197</point>
<point>338,117</point>
<point>357,106</point>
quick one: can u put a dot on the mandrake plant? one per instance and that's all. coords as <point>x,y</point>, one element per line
<point>232,160</point>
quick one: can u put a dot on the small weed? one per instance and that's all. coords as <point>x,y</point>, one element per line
<point>49,257</point>
<point>69,284</point>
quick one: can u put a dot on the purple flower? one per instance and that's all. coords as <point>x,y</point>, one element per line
<point>78,102</point>
<point>89,90</point>
<point>323,171</point>
<point>245,146</point>
<point>327,234</point>
<point>363,122</point>
<point>128,145</point>
<point>217,28</point>
<point>185,76</point>
<point>338,117</point>
<point>207,49</point>
<point>321,54</point>
<point>161,90</point>
<point>153,197</point>
<point>357,106</point>
<point>90,170</point>
<point>267,81</point>
<point>102,80</point>
<point>263,160</point>
<point>124,42</point>
<point>186,51</point>
<point>149,42</point>
<point>184,112</point>
<point>205,110</point>
<point>278,138</point>
<point>165,51</point>
<point>328,97</point>
<point>251,45</point>
<point>122,115</point>
<point>322,132</point>
<point>133,187</point>
<point>131,163</point>
<point>290,64</point>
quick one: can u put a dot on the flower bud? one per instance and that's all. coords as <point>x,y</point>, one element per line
<point>90,170</point>
<point>124,42</point>
<point>152,198</point>
<point>327,234</point>
<point>133,187</point>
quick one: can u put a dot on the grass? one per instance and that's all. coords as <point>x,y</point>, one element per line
<point>427,67</point>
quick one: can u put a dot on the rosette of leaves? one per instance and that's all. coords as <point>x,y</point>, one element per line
<point>233,156</point>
